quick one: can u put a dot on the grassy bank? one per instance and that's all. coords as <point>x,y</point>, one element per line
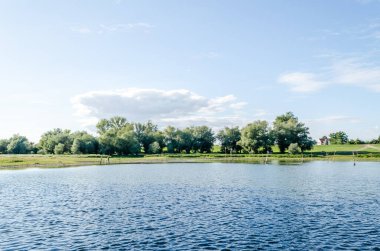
<point>330,153</point>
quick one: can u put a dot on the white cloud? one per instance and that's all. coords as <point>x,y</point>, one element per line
<point>111,28</point>
<point>176,107</point>
<point>208,55</point>
<point>332,119</point>
<point>125,27</point>
<point>81,30</point>
<point>349,72</point>
<point>302,82</point>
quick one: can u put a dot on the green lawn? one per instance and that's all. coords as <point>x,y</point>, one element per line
<point>331,152</point>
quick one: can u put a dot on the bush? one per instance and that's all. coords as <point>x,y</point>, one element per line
<point>154,148</point>
<point>294,148</point>
<point>59,149</point>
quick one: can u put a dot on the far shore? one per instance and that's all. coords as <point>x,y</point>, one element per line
<point>57,161</point>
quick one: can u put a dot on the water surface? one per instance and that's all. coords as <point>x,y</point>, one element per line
<point>318,205</point>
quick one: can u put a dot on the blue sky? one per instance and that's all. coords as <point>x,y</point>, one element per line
<point>221,63</point>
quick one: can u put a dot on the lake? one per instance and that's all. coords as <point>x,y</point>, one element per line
<point>317,205</point>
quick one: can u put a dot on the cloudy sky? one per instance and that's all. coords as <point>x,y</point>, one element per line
<point>216,62</point>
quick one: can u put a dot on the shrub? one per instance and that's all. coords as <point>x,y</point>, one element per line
<point>294,148</point>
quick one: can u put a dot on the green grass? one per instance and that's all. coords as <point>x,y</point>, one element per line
<point>331,152</point>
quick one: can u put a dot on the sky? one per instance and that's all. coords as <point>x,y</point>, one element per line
<point>67,64</point>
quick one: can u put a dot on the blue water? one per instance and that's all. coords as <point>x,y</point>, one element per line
<point>317,205</point>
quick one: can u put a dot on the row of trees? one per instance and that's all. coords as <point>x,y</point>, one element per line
<point>118,136</point>
<point>339,138</point>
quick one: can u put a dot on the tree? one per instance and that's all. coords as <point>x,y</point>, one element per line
<point>19,145</point>
<point>256,136</point>
<point>203,139</point>
<point>51,139</point>
<point>294,148</point>
<point>147,134</point>
<point>126,142</point>
<point>76,147</point>
<point>172,139</point>
<point>338,138</point>
<point>287,130</point>
<point>154,148</point>
<point>117,136</point>
<point>115,123</point>
<point>4,145</point>
<point>186,140</point>
<point>84,143</point>
<point>59,148</point>
<point>229,138</point>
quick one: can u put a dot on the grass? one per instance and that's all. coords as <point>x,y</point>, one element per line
<point>331,152</point>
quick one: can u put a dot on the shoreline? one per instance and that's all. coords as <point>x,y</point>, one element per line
<point>57,161</point>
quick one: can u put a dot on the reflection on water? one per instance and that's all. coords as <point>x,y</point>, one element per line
<point>200,206</point>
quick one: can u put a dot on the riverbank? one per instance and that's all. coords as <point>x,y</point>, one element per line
<point>41,161</point>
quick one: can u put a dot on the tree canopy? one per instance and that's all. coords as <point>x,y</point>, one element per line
<point>118,136</point>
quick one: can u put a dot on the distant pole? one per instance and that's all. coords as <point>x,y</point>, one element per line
<point>353,156</point>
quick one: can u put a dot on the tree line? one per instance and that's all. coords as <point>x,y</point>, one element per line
<point>117,136</point>
<point>341,138</point>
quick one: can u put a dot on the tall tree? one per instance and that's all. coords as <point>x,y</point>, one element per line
<point>117,136</point>
<point>257,136</point>
<point>147,134</point>
<point>338,138</point>
<point>19,145</point>
<point>84,143</point>
<point>4,145</point>
<point>171,139</point>
<point>287,130</point>
<point>204,139</point>
<point>229,138</point>
<point>51,139</point>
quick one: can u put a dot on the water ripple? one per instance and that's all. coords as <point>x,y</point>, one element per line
<point>192,207</point>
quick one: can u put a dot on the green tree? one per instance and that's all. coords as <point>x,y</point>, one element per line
<point>287,130</point>
<point>294,148</point>
<point>117,136</point>
<point>257,136</point>
<point>147,134</point>
<point>114,123</point>
<point>59,148</point>
<point>76,147</point>
<point>19,145</point>
<point>186,140</point>
<point>51,139</point>
<point>338,138</point>
<point>4,145</point>
<point>84,143</point>
<point>154,148</point>
<point>203,139</point>
<point>229,138</point>
<point>171,139</point>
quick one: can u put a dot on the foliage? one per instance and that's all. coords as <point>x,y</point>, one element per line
<point>203,139</point>
<point>4,145</point>
<point>287,130</point>
<point>117,136</point>
<point>229,138</point>
<point>294,148</point>
<point>59,148</point>
<point>338,138</point>
<point>19,145</point>
<point>147,134</point>
<point>171,139</point>
<point>51,139</point>
<point>256,136</point>
<point>154,148</point>
<point>84,143</point>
